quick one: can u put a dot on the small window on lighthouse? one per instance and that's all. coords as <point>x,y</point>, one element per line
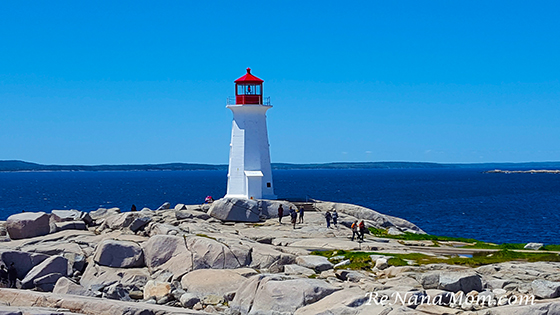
<point>268,185</point>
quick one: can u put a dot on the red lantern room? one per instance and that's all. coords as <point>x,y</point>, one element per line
<point>248,89</point>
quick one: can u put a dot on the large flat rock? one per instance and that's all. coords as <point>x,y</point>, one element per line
<point>86,305</point>
<point>28,224</point>
<point>119,254</point>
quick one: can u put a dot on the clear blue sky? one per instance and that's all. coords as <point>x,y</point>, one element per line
<point>114,82</point>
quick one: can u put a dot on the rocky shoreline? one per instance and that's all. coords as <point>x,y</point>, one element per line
<point>234,257</point>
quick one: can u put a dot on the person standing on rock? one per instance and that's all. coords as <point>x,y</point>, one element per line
<point>301,214</point>
<point>280,213</point>
<point>328,217</point>
<point>335,218</point>
<point>355,230</point>
<point>362,228</point>
<point>3,276</point>
<point>12,276</point>
<point>293,215</point>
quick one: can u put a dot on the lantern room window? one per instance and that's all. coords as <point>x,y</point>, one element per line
<point>251,89</point>
<point>248,89</point>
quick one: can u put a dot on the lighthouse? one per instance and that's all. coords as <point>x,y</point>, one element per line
<point>249,173</point>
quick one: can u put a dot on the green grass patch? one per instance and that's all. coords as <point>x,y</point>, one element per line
<point>362,261</point>
<point>407,236</point>
<point>551,247</point>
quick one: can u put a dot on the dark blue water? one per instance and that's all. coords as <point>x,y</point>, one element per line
<point>453,202</point>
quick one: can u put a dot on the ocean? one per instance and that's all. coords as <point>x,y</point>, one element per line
<point>513,208</point>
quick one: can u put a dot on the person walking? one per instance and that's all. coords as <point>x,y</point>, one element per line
<point>280,213</point>
<point>362,228</point>
<point>355,230</point>
<point>12,276</point>
<point>328,217</point>
<point>335,218</point>
<point>293,215</point>
<point>301,211</point>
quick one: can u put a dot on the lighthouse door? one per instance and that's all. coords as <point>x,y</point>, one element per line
<point>254,184</point>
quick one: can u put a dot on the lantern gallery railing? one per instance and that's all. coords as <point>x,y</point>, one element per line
<point>232,100</point>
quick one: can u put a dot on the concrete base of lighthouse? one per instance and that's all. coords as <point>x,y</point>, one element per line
<point>249,173</point>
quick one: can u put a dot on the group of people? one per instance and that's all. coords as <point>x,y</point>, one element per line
<point>358,229</point>
<point>8,276</point>
<point>333,217</point>
<point>293,215</point>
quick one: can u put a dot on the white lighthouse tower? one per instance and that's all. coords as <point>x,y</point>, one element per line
<point>249,174</point>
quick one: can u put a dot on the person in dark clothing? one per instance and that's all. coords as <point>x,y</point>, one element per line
<point>362,227</point>
<point>293,215</point>
<point>301,214</point>
<point>133,208</point>
<point>328,217</point>
<point>280,213</point>
<point>355,230</point>
<point>3,276</point>
<point>12,276</point>
<point>335,219</point>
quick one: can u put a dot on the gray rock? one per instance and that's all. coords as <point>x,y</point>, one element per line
<point>213,299</point>
<point>317,263</point>
<point>381,263</point>
<point>486,298</point>
<point>28,224</point>
<point>46,283</point>
<point>55,264</point>
<point>262,294</point>
<point>122,220</point>
<point>70,225</point>
<point>183,214</point>
<point>235,209</point>
<point>545,289</point>
<point>119,254</point>
<point>181,255</point>
<point>157,289</point>
<point>221,282</point>
<point>534,246</point>
<point>102,213</point>
<point>298,270</point>
<point>96,277</point>
<point>136,294</point>
<point>180,206</point>
<point>452,281</point>
<point>66,215</point>
<point>23,261</point>
<point>189,300</point>
<point>349,275</point>
<point>343,302</point>
<point>460,281</point>
<point>3,230</point>
<point>139,223</point>
<point>430,280</point>
<point>164,206</point>
<point>116,291</point>
<point>66,286</point>
<point>394,231</point>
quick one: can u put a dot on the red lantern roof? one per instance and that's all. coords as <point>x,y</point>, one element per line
<point>249,78</point>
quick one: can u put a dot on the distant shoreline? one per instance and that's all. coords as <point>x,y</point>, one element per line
<point>527,167</point>
<point>525,172</point>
